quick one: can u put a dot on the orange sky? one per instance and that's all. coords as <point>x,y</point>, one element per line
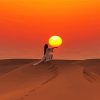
<point>25,25</point>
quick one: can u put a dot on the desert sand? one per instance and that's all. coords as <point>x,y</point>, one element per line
<point>54,80</point>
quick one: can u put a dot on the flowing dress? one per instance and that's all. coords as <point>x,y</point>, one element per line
<point>47,57</point>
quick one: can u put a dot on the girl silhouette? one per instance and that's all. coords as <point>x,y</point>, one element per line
<point>48,54</point>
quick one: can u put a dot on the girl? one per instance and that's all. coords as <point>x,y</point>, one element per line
<point>48,54</point>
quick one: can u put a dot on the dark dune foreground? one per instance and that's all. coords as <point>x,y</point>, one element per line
<point>55,80</point>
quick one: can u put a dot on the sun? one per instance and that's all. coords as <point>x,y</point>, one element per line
<point>55,41</point>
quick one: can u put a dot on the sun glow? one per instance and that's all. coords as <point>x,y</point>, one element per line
<point>55,41</point>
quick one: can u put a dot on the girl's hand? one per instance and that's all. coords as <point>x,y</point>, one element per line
<point>56,47</point>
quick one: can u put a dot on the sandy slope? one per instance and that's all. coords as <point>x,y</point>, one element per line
<point>56,80</point>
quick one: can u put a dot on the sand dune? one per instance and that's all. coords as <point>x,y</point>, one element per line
<point>55,80</point>
<point>11,64</point>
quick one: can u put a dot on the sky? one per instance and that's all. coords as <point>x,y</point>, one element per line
<point>26,25</point>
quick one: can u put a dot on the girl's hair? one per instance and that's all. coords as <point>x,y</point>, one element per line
<point>45,48</point>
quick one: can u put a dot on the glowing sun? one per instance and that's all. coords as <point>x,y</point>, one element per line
<point>55,41</point>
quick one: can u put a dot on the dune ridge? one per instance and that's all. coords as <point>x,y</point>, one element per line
<point>56,80</point>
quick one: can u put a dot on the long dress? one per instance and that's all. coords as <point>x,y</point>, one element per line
<point>49,54</point>
<point>47,57</point>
